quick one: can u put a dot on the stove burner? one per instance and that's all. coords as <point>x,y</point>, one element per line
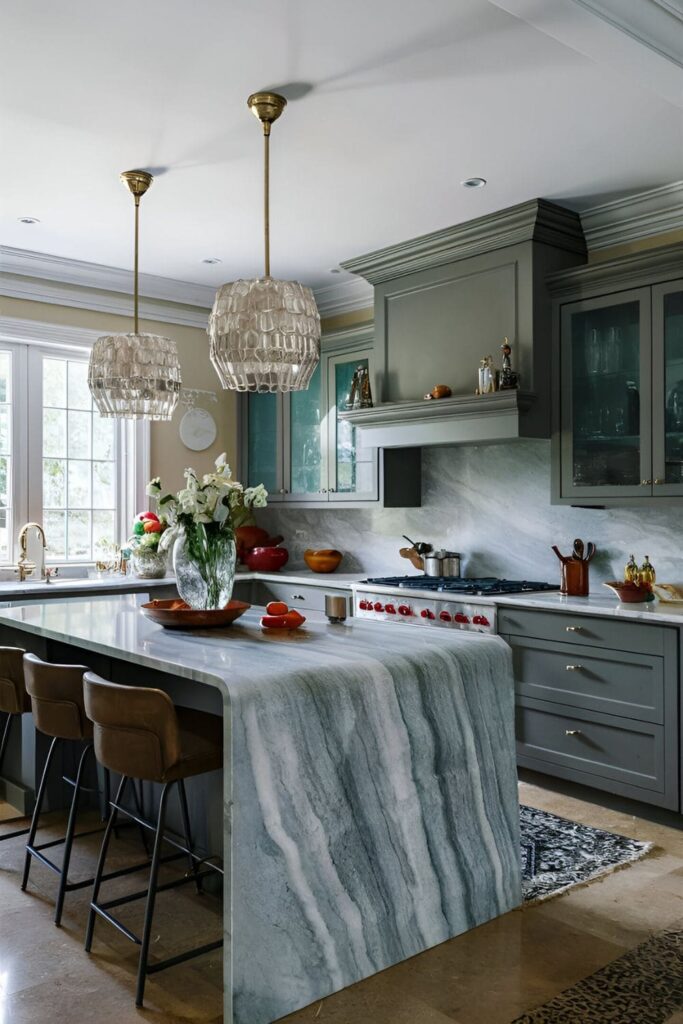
<point>485,586</point>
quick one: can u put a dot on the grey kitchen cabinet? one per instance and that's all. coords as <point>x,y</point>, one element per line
<point>306,455</point>
<point>296,595</point>
<point>597,701</point>
<point>618,381</point>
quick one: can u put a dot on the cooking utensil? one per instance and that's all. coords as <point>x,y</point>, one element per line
<point>442,563</point>
<point>578,548</point>
<point>413,557</point>
<point>590,551</point>
<point>562,558</point>
<point>422,547</point>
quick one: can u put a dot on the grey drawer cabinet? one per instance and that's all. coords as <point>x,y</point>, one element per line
<point>597,701</point>
<point>296,595</point>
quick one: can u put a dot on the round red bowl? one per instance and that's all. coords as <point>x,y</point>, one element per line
<point>267,559</point>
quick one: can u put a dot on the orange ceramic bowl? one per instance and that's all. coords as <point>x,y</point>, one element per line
<point>324,560</point>
<point>629,593</point>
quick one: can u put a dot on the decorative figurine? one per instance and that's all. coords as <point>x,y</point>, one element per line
<point>360,394</point>
<point>439,391</point>
<point>509,378</point>
<point>488,377</point>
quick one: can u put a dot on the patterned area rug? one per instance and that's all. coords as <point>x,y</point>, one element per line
<point>644,986</point>
<point>558,854</point>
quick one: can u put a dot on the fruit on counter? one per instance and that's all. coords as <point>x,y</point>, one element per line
<point>322,560</point>
<point>289,619</point>
<point>267,559</point>
<point>277,608</point>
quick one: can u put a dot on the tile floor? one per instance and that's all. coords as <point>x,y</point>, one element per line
<point>487,976</point>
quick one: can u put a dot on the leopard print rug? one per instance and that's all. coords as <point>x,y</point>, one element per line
<point>644,986</point>
<point>558,854</point>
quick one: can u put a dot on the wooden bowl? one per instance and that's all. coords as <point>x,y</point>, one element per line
<point>629,593</point>
<point>324,560</point>
<point>175,614</point>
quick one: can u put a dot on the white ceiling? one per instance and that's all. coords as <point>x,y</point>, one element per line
<point>406,100</point>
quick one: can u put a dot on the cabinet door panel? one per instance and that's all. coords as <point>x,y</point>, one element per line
<point>606,399</point>
<point>264,443</point>
<point>353,469</point>
<point>305,450</point>
<point>667,388</point>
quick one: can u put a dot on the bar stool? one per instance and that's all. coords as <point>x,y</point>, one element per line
<point>14,702</point>
<point>140,734</point>
<point>56,693</point>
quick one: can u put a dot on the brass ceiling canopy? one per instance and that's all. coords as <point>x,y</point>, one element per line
<point>137,182</point>
<point>267,107</point>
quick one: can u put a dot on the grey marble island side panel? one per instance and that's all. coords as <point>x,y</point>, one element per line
<point>370,790</point>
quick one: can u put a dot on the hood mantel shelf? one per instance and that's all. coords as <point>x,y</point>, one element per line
<point>464,419</point>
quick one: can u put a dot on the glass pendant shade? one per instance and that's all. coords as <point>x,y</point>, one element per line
<point>265,335</point>
<point>135,376</point>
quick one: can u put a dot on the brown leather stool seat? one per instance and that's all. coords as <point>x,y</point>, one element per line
<point>56,695</point>
<point>14,702</point>
<point>142,735</point>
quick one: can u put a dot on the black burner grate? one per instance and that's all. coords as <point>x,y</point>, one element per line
<point>483,586</point>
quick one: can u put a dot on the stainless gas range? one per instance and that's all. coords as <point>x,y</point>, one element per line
<point>446,601</point>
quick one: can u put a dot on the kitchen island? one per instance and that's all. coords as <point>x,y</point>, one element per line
<point>370,804</point>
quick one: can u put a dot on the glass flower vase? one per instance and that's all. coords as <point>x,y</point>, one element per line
<point>148,564</point>
<point>204,564</point>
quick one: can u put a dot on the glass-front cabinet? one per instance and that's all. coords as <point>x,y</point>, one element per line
<point>621,396</point>
<point>297,444</point>
<point>667,388</point>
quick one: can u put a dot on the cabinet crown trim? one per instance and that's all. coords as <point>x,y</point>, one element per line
<point>536,220</point>
<point>633,271</point>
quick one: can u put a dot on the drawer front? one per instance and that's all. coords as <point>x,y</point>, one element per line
<point>629,685</point>
<point>297,596</point>
<point>601,746</point>
<point>590,630</point>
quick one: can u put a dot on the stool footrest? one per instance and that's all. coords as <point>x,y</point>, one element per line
<point>15,835</point>
<point>161,965</point>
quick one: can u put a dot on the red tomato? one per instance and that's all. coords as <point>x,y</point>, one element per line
<point>274,621</point>
<point>276,608</point>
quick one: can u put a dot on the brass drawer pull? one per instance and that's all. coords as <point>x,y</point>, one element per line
<point>572,732</point>
<point>298,597</point>
<point>574,668</point>
<point>573,629</point>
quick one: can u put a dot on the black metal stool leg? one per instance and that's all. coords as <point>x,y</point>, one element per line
<point>36,811</point>
<point>69,837</point>
<point>5,736</point>
<point>97,881</point>
<point>151,895</point>
<point>192,863</point>
<point>106,794</point>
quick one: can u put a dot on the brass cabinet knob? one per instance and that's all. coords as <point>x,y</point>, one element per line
<point>574,668</point>
<point>573,629</point>
<point>659,481</point>
<point>572,732</point>
<point>645,483</point>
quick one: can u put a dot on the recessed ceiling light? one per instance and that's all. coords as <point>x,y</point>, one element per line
<point>335,270</point>
<point>212,260</point>
<point>28,220</point>
<point>473,182</point>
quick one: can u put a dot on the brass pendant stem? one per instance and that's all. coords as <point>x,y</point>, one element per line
<point>136,296</point>
<point>137,183</point>
<point>266,198</point>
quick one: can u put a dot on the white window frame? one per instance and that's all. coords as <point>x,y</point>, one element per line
<point>29,341</point>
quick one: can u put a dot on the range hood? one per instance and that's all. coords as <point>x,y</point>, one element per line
<point>445,300</point>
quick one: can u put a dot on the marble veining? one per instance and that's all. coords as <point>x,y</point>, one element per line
<point>370,789</point>
<point>492,503</point>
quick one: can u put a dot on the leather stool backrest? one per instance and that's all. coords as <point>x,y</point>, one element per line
<point>56,693</point>
<point>136,728</point>
<point>13,696</point>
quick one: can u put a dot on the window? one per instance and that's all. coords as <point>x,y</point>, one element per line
<point>84,476</point>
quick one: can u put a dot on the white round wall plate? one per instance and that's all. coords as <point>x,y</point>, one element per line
<point>198,429</point>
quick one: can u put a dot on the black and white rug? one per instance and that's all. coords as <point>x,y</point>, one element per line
<point>558,854</point>
<point>644,986</point>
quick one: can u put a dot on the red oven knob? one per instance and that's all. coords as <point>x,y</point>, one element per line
<point>476,619</point>
<point>445,616</point>
<point>403,609</point>
<point>390,609</point>
<point>483,621</point>
<point>427,614</point>
<point>459,617</point>
<point>378,607</point>
<point>363,605</point>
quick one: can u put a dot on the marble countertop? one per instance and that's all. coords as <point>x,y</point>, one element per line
<point>13,589</point>
<point>657,612</point>
<point>337,580</point>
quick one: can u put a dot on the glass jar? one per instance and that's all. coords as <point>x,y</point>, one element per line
<point>148,564</point>
<point>204,564</point>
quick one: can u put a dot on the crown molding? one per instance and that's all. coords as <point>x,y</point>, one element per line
<point>654,212</point>
<point>536,220</point>
<point>344,297</point>
<point>32,332</point>
<point>656,24</point>
<point>633,271</point>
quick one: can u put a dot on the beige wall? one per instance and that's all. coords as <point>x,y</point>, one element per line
<point>169,456</point>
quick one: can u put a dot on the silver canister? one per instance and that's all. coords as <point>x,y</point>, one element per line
<point>442,563</point>
<point>432,563</point>
<point>336,608</point>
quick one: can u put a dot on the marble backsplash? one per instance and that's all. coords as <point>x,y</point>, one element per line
<point>491,503</point>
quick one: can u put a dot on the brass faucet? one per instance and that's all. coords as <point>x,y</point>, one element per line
<point>25,565</point>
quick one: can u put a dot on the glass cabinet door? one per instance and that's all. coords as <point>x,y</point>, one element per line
<point>263,428</point>
<point>605,396</point>
<point>667,388</point>
<point>353,468</point>
<point>305,452</point>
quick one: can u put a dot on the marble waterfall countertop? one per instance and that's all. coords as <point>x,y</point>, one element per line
<point>370,789</point>
<point>657,612</point>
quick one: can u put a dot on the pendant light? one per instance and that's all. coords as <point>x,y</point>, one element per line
<point>265,333</point>
<point>135,376</point>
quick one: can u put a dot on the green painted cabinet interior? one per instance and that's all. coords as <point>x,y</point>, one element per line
<point>305,454</point>
<point>618,388</point>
